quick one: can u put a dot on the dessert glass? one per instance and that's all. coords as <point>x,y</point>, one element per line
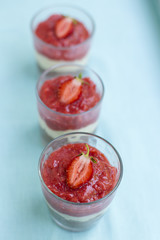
<point>79,216</point>
<point>56,123</point>
<point>48,55</point>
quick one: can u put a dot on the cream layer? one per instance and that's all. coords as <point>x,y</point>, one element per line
<point>46,63</point>
<point>77,219</point>
<point>53,133</point>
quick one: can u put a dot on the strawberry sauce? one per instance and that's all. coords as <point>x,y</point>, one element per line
<point>54,174</point>
<point>73,35</point>
<point>50,96</point>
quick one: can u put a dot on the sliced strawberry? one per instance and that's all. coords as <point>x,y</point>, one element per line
<point>80,170</point>
<point>64,27</point>
<point>70,90</point>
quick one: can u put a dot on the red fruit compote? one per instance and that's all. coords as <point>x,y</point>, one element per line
<point>69,102</point>
<point>62,34</point>
<point>79,174</point>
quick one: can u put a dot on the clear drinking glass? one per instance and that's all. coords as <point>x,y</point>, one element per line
<point>79,216</point>
<point>48,55</point>
<point>55,123</point>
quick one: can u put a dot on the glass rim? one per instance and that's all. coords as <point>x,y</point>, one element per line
<point>85,203</point>
<point>69,7</point>
<point>64,65</point>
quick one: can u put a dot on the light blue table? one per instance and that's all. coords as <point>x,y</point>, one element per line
<point>126,54</point>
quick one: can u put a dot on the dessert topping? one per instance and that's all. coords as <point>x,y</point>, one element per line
<point>70,90</point>
<point>80,170</point>
<point>64,27</point>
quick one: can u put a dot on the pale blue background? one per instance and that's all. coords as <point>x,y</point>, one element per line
<point>126,54</point>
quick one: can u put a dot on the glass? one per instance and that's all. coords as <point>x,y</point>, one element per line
<point>55,123</point>
<point>47,55</point>
<point>79,216</point>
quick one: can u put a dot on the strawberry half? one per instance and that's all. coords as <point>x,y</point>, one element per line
<point>64,27</point>
<point>80,170</point>
<point>70,90</point>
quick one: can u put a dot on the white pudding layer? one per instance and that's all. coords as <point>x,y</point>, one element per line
<point>77,219</point>
<point>53,133</point>
<point>46,63</point>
